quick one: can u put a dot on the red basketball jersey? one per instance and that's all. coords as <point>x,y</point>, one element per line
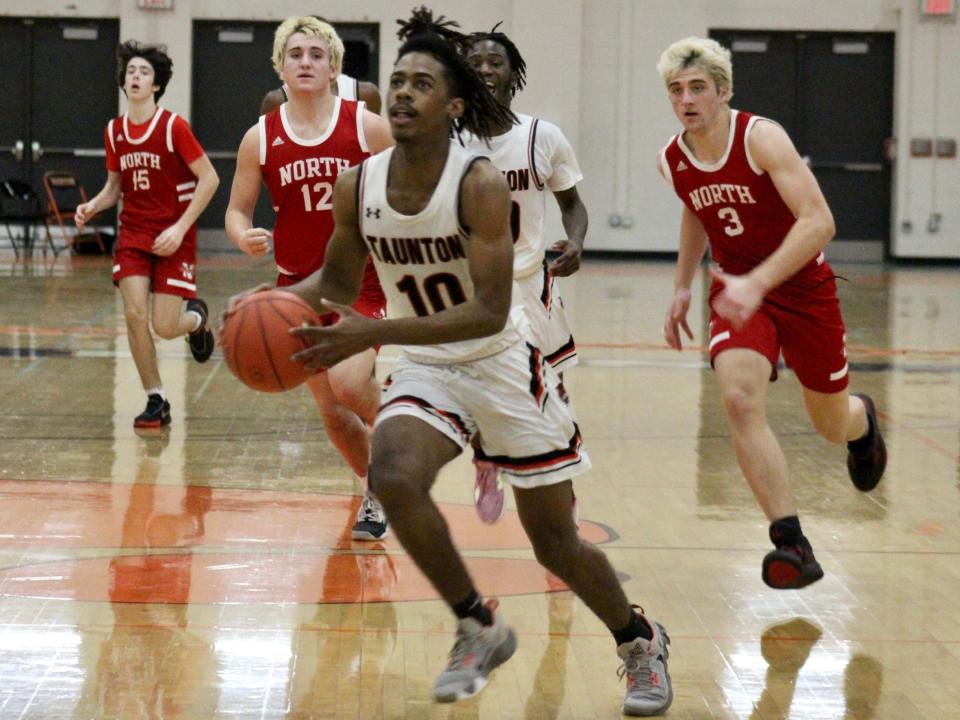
<point>300,175</point>
<point>153,161</point>
<point>740,208</point>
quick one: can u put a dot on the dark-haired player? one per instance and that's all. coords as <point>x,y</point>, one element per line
<point>166,180</point>
<point>748,193</point>
<point>436,219</point>
<point>536,158</point>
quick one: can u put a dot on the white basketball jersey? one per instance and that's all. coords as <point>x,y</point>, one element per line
<point>347,87</point>
<point>534,157</point>
<point>422,259</point>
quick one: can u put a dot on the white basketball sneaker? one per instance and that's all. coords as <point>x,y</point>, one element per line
<point>649,691</point>
<point>477,651</point>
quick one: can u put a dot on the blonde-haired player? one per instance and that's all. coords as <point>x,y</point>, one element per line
<point>747,192</point>
<point>348,88</point>
<point>298,151</point>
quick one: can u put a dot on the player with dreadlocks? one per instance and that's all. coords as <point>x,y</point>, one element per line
<point>536,158</point>
<point>436,219</point>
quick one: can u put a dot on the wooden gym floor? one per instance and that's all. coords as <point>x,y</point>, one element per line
<point>206,572</point>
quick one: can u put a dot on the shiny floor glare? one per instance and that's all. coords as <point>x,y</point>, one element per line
<point>207,571</point>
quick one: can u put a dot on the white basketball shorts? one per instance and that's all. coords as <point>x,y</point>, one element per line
<point>511,398</point>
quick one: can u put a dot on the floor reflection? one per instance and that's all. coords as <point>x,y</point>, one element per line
<point>785,648</point>
<point>862,687</point>
<point>152,665</point>
<point>550,685</point>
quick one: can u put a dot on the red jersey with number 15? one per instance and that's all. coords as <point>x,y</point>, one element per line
<point>740,207</point>
<point>153,160</point>
<point>300,175</point>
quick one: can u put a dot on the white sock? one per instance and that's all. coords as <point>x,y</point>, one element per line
<point>199,318</point>
<point>157,391</point>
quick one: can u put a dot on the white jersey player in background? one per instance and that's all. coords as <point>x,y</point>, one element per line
<point>535,158</point>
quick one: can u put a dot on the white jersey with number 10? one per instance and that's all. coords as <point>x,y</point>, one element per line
<point>422,259</point>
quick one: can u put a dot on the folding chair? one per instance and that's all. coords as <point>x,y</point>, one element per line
<point>20,206</point>
<point>64,194</point>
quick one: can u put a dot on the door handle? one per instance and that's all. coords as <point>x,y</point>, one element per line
<point>18,150</point>
<point>36,152</point>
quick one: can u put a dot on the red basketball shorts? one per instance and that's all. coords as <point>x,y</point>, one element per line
<point>373,305</point>
<point>169,275</point>
<point>809,334</point>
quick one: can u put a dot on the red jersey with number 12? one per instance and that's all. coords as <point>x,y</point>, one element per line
<point>300,174</point>
<point>740,207</point>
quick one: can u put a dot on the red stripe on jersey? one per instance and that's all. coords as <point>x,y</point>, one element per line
<point>531,154</point>
<point>564,353</point>
<point>537,387</point>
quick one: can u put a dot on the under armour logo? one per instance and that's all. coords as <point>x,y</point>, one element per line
<point>277,141</point>
<point>373,212</point>
<point>681,166</point>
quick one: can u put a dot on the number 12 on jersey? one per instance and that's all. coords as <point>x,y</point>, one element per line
<point>323,189</point>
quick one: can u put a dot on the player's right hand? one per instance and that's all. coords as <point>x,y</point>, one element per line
<point>83,213</point>
<point>256,241</point>
<point>232,306</point>
<point>677,318</point>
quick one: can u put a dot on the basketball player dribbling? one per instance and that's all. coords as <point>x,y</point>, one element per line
<point>435,218</point>
<point>298,151</point>
<point>747,193</point>
<point>536,158</point>
<point>155,164</point>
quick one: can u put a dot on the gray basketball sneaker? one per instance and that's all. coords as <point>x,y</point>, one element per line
<point>649,691</point>
<point>476,652</point>
<point>371,521</point>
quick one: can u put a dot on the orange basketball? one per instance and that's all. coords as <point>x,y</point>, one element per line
<point>257,343</point>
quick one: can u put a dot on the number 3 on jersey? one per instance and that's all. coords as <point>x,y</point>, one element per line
<point>324,190</point>
<point>734,227</point>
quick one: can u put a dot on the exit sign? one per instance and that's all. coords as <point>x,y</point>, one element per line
<point>938,7</point>
<point>155,4</point>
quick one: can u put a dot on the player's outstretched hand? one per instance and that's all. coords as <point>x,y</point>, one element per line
<point>349,335</point>
<point>569,260</point>
<point>232,303</point>
<point>677,318</point>
<point>739,299</point>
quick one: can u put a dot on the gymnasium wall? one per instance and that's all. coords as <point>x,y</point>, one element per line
<point>591,70</point>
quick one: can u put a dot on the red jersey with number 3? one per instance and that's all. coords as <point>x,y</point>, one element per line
<point>300,175</point>
<point>740,208</point>
<point>153,160</point>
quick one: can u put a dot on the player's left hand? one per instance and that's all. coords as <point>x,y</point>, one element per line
<point>332,344</point>
<point>168,241</point>
<point>568,262</point>
<point>739,299</point>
